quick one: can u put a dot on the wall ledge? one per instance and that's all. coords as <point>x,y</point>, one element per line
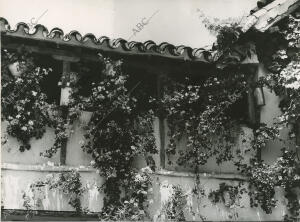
<point>45,167</point>
<point>42,215</point>
<point>222,176</point>
<point>161,172</point>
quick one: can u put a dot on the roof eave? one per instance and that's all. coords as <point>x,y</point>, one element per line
<point>269,15</point>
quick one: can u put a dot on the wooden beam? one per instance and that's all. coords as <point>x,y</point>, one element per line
<point>253,109</point>
<point>66,58</point>
<point>64,109</point>
<point>297,130</point>
<point>161,123</point>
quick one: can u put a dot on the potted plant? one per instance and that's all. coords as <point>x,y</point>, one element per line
<point>14,69</point>
<point>66,83</point>
<point>86,110</point>
<point>15,63</point>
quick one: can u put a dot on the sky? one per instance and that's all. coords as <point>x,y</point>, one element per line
<point>173,21</point>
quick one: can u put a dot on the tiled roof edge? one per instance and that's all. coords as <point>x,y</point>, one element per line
<point>74,38</point>
<point>268,15</point>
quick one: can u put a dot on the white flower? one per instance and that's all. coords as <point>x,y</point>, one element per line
<point>49,163</point>
<point>34,93</point>
<point>138,178</point>
<point>24,128</point>
<point>18,116</point>
<point>81,142</point>
<point>146,169</point>
<point>93,163</point>
<point>30,122</point>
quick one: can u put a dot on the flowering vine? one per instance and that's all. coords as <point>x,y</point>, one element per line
<point>116,134</point>
<point>23,103</point>
<point>201,111</point>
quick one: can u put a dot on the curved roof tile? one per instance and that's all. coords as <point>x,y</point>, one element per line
<point>104,43</point>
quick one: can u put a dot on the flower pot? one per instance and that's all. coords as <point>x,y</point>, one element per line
<point>15,69</point>
<point>85,117</point>
<point>65,95</point>
<point>259,96</point>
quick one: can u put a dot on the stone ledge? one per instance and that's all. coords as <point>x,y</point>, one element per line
<point>222,176</point>
<point>45,167</point>
<point>160,172</point>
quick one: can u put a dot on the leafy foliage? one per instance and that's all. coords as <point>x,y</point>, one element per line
<point>67,182</point>
<point>116,135</point>
<point>199,112</point>
<point>175,206</point>
<point>23,103</point>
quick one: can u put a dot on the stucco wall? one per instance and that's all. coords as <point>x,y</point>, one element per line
<point>117,19</point>
<point>20,170</point>
<point>10,151</point>
<point>268,115</point>
<point>18,179</point>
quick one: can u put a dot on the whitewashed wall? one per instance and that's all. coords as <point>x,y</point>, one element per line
<point>176,22</point>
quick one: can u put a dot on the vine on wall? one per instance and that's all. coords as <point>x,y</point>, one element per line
<point>115,136</point>
<point>176,205</point>
<point>199,112</point>
<point>120,130</point>
<point>23,103</point>
<point>69,183</point>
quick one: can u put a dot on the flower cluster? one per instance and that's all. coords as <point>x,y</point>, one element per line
<point>134,204</point>
<point>69,183</point>
<point>68,80</point>
<point>175,206</point>
<point>199,112</point>
<point>24,105</point>
<point>283,63</point>
<point>116,134</point>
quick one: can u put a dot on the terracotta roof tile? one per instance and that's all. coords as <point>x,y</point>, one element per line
<point>74,38</point>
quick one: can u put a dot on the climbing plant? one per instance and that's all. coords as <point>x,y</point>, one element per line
<point>201,111</point>
<point>69,183</point>
<point>23,103</point>
<point>116,134</point>
<point>176,205</point>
